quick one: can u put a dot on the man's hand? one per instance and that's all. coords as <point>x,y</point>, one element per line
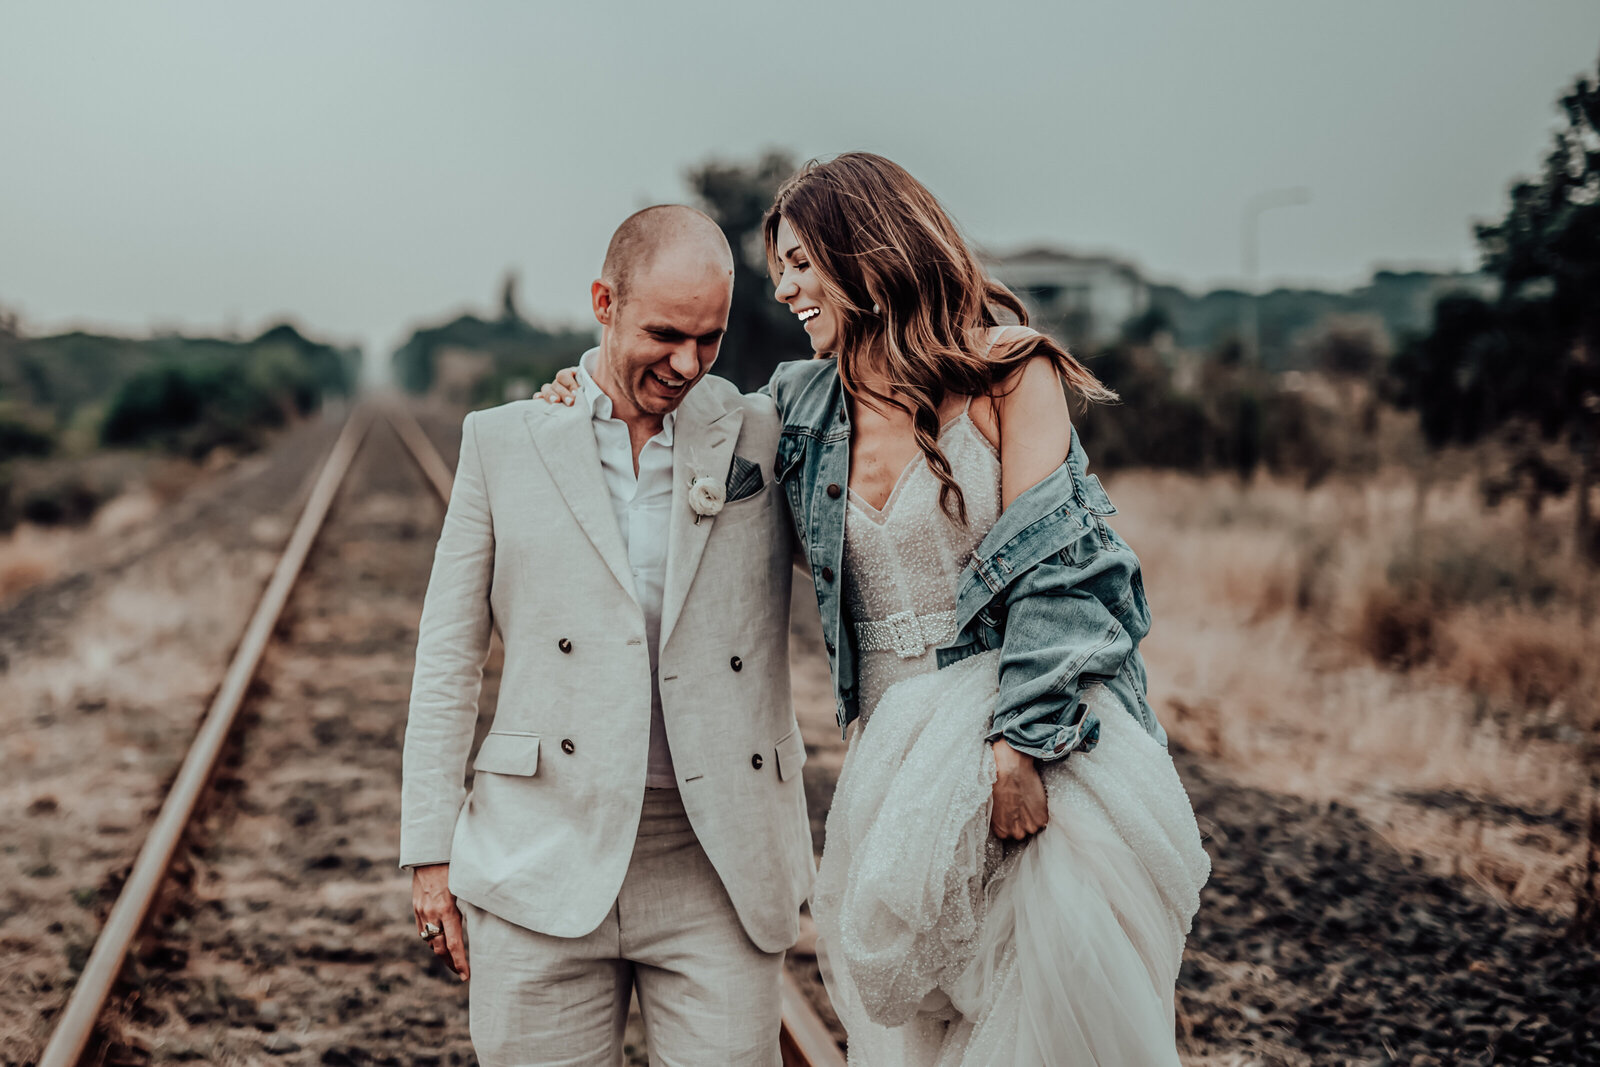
<point>431,902</point>
<point>1020,807</point>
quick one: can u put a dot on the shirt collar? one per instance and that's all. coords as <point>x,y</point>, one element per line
<point>600,405</point>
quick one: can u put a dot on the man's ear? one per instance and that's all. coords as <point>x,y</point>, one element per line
<point>604,301</point>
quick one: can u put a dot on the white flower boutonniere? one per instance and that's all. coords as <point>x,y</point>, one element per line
<point>706,496</point>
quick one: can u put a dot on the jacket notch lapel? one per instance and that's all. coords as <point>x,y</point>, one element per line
<point>564,439</point>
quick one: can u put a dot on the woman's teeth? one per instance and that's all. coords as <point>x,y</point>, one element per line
<point>809,313</point>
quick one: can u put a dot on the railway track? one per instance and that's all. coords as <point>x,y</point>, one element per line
<point>236,936</point>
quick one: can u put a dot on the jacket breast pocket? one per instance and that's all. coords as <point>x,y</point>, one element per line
<point>735,510</point>
<point>503,752</point>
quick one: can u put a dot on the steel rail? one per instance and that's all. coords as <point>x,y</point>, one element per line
<point>803,1037</point>
<point>77,1022</point>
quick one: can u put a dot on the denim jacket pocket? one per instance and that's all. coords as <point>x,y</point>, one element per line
<point>1089,543</point>
<point>787,470</point>
<point>791,452</point>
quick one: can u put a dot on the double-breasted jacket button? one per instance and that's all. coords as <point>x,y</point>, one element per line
<point>834,490</point>
<point>736,663</point>
<point>755,761</point>
<point>564,645</point>
<point>567,746</point>
<point>827,574</point>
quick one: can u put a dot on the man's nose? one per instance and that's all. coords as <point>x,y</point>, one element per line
<point>685,360</point>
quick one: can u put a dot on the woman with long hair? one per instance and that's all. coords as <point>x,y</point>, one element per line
<point>1011,864</point>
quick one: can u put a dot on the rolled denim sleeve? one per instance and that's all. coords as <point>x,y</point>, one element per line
<point>1063,632</point>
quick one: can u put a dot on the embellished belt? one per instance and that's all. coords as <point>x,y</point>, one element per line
<point>906,633</point>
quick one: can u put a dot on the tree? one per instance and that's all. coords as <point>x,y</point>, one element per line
<point>1546,253</point>
<point>1532,355</point>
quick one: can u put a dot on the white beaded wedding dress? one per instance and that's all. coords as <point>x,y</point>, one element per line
<point>943,945</point>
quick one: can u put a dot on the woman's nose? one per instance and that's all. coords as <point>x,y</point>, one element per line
<point>786,291</point>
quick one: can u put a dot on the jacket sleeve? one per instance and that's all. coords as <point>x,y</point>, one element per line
<point>452,646</point>
<point>1066,626</point>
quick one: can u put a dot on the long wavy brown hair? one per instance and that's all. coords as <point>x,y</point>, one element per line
<point>912,299</point>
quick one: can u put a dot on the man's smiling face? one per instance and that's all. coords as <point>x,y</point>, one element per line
<point>664,334</point>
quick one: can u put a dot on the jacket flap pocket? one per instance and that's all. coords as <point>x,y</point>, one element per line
<point>791,751</point>
<point>506,753</point>
<point>791,450</point>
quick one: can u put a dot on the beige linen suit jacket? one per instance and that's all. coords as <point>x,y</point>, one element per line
<point>530,546</point>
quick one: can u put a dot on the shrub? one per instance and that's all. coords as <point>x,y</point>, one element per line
<point>20,436</point>
<point>194,407</point>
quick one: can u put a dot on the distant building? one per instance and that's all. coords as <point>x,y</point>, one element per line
<point>1084,300</point>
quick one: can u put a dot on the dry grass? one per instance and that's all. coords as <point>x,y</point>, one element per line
<point>1438,670</point>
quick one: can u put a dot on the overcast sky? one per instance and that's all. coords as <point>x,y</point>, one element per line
<point>361,167</point>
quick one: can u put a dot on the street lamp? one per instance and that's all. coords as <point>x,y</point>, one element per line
<point>1250,254</point>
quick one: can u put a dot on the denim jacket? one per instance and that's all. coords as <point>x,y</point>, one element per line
<point>1051,586</point>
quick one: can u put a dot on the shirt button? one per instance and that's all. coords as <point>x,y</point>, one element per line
<point>834,490</point>
<point>827,574</point>
<point>564,645</point>
<point>567,746</point>
<point>755,761</point>
<point>736,663</point>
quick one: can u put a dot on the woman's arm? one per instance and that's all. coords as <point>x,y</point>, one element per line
<point>1034,427</point>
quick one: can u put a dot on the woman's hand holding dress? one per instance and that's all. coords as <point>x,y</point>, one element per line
<point>1020,806</point>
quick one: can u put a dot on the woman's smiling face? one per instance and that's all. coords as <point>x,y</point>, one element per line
<point>800,288</point>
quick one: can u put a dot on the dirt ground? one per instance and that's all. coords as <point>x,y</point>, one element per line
<point>288,938</point>
<point>104,673</point>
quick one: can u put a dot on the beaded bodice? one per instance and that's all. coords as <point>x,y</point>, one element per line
<point>901,564</point>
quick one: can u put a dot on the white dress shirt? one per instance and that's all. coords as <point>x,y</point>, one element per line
<point>643,506</point>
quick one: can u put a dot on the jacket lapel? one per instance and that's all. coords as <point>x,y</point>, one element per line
<point>565,442</point>
<point>702,445</point>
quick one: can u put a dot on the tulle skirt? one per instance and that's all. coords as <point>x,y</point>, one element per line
<point>945,946</point>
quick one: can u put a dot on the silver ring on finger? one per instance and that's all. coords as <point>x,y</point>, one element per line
<point>429,931</point>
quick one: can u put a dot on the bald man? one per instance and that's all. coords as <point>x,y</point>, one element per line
<point>635,820</point>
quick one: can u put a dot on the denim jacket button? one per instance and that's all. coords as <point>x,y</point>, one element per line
<point>827,574</point>
<point>834,490</point>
